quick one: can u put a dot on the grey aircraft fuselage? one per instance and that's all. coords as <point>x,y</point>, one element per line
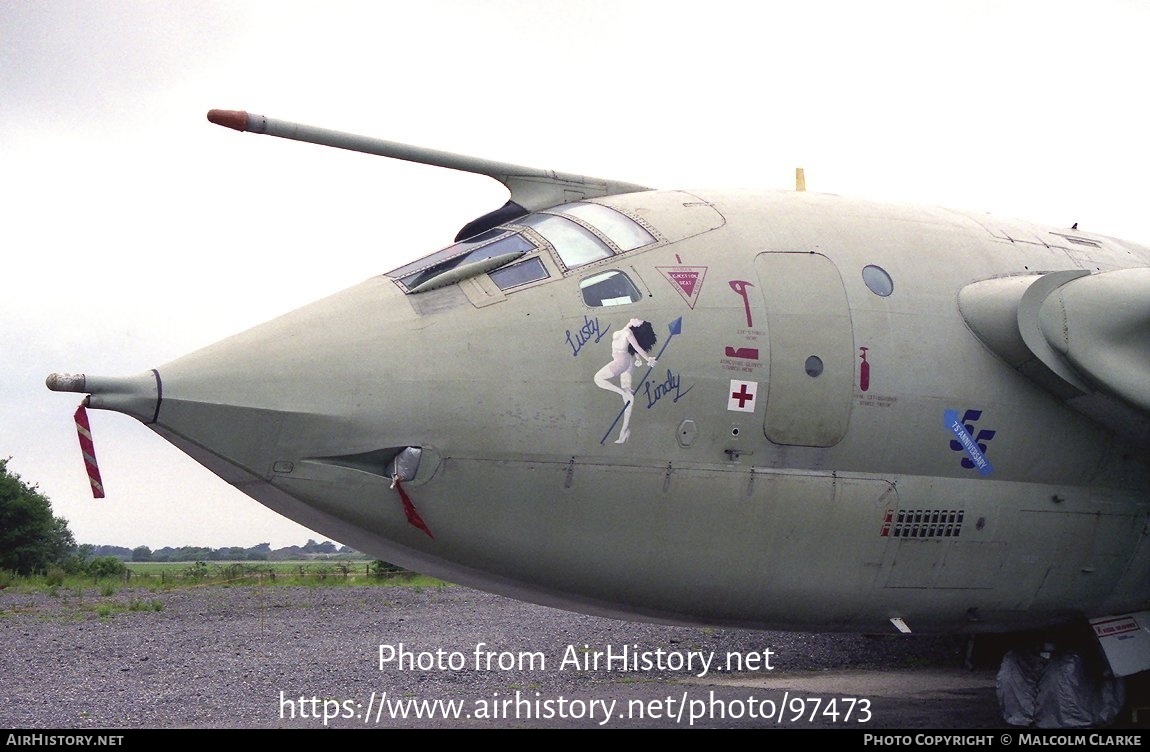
<point>850,418</point>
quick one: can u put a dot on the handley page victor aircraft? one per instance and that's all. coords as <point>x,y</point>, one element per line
<point>761,409</point>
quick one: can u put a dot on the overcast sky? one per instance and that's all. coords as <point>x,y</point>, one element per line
<point>133,231</point>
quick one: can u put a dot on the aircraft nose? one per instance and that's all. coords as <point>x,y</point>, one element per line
<point>316,404</point>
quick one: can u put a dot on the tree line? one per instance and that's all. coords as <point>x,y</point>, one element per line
<point>260,552</point>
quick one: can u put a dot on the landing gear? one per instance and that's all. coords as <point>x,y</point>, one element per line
<point>1052,688</point>
<point>1058,680</point>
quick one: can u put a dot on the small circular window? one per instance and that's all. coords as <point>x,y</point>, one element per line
<point>814,366</point>
<point>877,280</point>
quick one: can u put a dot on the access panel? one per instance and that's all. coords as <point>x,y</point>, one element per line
<point>811,379</point>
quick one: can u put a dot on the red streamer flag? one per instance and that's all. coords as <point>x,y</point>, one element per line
<point>409,510</point>
<point>84,430</point>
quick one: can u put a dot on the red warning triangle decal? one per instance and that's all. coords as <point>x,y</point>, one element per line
<point>687,280</point>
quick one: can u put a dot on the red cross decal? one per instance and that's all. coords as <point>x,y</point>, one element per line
<point>743,396</point>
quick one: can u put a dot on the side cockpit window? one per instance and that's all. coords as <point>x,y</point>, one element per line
<point>523,273</point>
<point>608,289</point>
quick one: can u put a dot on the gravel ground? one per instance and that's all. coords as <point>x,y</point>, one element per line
<point>283,657</point>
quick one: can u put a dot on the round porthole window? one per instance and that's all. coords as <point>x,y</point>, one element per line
<point>814,366</point>
<point>877,280</point>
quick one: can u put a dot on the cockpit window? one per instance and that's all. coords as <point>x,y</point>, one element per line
<point>575,244</point>
<point>489,244</point>
<point>514,275</point>
<point>620,230</point>
<point>579,233</point>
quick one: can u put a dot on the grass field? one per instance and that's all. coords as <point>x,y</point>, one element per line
<point>163,575</point>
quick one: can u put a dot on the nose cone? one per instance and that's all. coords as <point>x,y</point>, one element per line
<point>306,413</point>
<point>313,383</point>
